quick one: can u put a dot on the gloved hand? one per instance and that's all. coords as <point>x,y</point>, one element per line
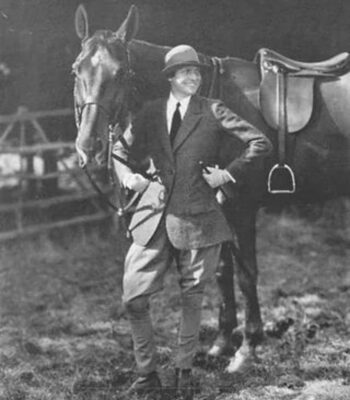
<point>216,177</point>
<point>136,182</point>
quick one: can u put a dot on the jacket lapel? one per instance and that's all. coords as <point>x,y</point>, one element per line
<point>190,121</point>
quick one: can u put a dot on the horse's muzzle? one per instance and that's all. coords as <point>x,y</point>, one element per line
<point>83,155</point>
<point>101,152</point>
<point>96,151</point>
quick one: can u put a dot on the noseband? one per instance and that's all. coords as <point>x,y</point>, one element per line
<point>92,103</point>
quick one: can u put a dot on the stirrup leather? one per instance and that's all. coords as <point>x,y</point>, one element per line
<point>281,172</point>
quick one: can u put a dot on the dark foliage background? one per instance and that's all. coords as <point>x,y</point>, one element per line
<point>39,44</point>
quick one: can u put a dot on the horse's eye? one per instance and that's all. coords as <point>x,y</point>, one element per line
<point>76,71</point>
<point>103,86</point>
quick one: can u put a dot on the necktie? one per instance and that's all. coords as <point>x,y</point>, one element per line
<point>175,123</point>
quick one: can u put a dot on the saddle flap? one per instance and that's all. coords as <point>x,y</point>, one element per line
<point>299,101</point>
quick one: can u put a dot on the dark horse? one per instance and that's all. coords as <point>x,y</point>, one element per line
<point>115,74</point>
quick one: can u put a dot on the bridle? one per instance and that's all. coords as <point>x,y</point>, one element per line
<point>113,137</point>
<point>91,103</point>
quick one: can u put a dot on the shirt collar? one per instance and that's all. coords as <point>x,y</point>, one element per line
<point>172,101</point>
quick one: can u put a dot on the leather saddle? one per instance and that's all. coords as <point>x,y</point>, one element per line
<point>299,77</point>
<point>286,102</point>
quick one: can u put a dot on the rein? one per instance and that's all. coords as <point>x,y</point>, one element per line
<point>121,211</point>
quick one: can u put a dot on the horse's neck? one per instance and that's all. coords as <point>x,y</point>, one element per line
<point>147,62</point>
<point>146,52</point>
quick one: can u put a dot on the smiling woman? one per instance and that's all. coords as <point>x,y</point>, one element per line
<point>185,81</point>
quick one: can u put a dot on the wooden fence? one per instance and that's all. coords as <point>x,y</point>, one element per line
<point>16,214</point>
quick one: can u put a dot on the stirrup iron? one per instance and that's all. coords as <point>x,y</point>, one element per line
<point>281,179</point>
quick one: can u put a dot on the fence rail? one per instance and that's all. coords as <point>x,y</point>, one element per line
<point>13,234</point>
<point>47,175</point>
<point>36,148</point>
<point>17,140</point>
<point>23,115</point>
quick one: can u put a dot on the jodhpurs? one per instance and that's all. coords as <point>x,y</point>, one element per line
<point>144,272</point>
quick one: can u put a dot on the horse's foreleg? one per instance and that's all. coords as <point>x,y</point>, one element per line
<point>227,312</point>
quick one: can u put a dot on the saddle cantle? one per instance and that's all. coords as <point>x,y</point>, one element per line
<point>299,85</point>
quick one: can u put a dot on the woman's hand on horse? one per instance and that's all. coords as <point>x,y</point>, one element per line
<point>216,177</point>
<point>136,182</point>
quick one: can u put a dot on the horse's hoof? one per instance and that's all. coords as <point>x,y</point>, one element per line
<point>222,347</point>
<point>215,351</point>
<point>237,337</point>
<point>241,362</point>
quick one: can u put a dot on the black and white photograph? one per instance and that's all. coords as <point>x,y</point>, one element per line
<point>174,200</point>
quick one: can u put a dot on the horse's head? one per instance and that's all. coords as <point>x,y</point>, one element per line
<point>102,71</point>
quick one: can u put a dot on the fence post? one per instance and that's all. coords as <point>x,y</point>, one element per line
<point>22,132</point>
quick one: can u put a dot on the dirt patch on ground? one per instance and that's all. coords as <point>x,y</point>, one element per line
<point>64,334</point>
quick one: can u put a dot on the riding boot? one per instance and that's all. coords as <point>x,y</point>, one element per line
<point>184,384</point>
<point>147,385</point>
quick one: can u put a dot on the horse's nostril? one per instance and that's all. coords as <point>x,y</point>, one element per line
<point>101,159</point>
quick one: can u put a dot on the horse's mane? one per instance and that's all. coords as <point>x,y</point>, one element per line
<point>147,61</point>
<point>143,53</point>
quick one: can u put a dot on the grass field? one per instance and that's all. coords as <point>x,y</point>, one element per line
<point>64,334</point>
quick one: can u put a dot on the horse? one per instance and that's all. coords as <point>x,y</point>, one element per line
<point>301,107</point>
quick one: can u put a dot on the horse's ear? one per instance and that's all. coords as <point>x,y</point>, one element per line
<point>130,26</point>
<point>81,22</point>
